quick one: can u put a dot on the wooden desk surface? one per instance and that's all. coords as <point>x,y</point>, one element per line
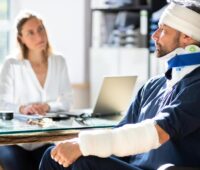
<point>17,132</point>
<point>52,136</point>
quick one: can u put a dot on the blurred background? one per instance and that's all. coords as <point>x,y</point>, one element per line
<point>96,37</point>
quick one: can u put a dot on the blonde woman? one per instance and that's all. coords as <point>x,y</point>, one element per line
<point>34,82</point>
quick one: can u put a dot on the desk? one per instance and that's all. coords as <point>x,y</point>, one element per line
<point>17,131</point>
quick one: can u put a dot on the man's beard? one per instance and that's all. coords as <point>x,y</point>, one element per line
<point>161,51</point>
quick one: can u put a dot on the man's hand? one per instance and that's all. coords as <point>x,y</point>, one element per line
<point>36,108</point>
<point>67,152</point>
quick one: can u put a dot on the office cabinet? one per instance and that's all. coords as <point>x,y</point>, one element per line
<point>119,40</point>
<point>117,61</point>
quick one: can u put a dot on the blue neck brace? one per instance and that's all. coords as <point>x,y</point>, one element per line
<point>184,60</point>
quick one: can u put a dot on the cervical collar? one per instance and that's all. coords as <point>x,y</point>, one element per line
<point>179,51</point>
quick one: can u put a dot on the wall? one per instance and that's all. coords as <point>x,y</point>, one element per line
<point>67,23</point>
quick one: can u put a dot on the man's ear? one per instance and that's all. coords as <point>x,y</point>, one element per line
<point>187,40</point>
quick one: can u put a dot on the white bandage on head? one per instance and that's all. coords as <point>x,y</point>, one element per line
<point>127,140</point>
<point>182,19</point>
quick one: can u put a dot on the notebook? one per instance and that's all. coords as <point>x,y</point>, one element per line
<point>114,96</point>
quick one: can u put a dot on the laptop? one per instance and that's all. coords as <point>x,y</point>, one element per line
<point>114,96</point>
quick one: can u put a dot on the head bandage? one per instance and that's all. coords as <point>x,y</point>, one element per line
<point>182,19</point>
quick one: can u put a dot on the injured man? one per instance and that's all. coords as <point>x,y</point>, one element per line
<point>162,125</point>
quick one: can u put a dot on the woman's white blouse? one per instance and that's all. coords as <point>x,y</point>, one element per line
<point>20,86</point>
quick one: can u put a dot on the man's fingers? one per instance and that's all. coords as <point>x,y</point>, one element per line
<point>61,161</point>
<point>53,153</point>
<point>56,158</point>
<point>66,164</point>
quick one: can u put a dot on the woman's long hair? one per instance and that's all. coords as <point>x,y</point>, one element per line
<point>21,20</point>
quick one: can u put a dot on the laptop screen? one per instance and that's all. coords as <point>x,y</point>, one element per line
<point>115,95</point>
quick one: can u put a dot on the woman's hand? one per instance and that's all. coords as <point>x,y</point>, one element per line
<point>36,108</point>
<point>67,152</point>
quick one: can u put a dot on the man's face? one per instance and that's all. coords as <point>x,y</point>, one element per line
<point>166,40</point>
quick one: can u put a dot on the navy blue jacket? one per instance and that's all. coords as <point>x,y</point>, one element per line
<point>178,113</point>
